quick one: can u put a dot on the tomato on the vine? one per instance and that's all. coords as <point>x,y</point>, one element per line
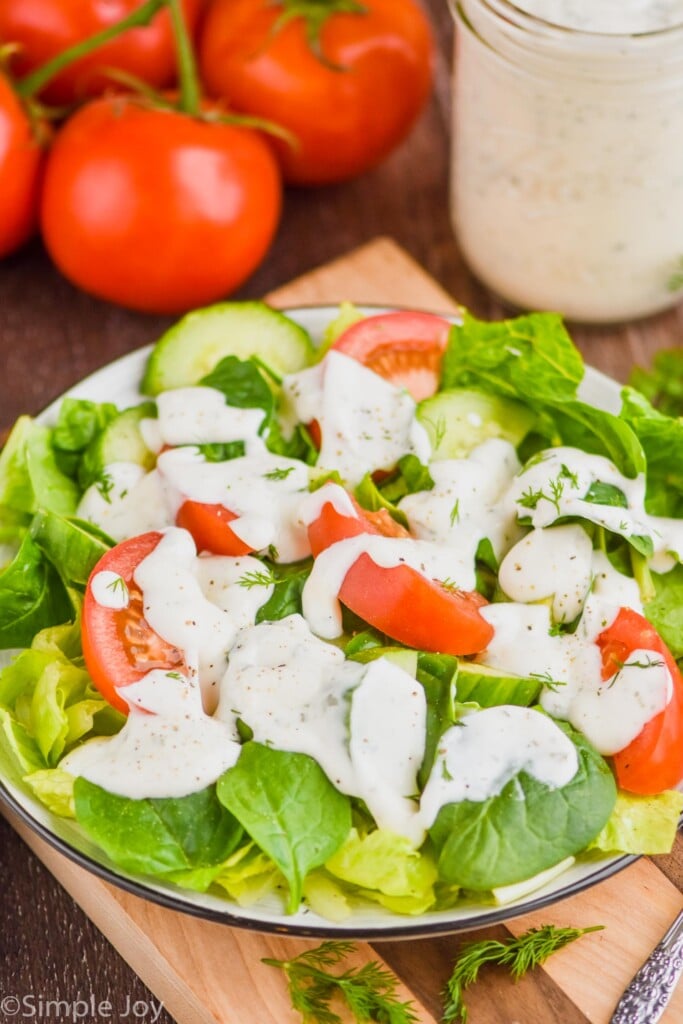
<point>44,28</point>
<point>155,209</point>
<point>404,347</point>
<point>21,168</point>
<point>347,79</point>
<point>398,600</point>
<point>119,645</point>
<point>653,761</point>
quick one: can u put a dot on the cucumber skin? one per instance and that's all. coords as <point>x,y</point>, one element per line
<point>181,359</point>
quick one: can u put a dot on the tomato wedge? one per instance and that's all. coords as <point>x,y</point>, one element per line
<point>398,600</point>
<point>210,528</point>
<point>119,645</point>
<point>653,761</point>
<point>404,348</point>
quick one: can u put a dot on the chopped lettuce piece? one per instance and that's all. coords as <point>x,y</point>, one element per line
<point>641,824</point>
<point>387,868</point>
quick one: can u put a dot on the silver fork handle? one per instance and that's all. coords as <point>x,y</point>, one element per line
<point>646,997</point>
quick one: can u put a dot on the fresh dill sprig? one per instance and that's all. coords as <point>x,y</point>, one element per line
<point>258,578</point>
<point>279,473</point>
<point>519,955</point>
<point>368,991</point>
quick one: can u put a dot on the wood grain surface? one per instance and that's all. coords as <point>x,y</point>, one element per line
<point>52,335</point>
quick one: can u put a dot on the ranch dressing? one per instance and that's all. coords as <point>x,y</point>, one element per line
<point>364,724</point>
<point>567,167</point>
<point>477,757</point>
<point>366,423</point>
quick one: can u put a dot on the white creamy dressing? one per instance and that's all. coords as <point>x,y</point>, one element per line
<point>567,167</point>
<point>556,481</point>
<point>175,750</point>
<point>363,724</point>
<point>610,714</point>
<point>463,507</point>
<point>177,608</point>
<point>126,501</point>
<point>200,415</point>
<point>608,16</point>
<point>365,422</point>
<point>263,490</point>
<point>110,590</point>
<point>477,757</point>
<point>554,563</point>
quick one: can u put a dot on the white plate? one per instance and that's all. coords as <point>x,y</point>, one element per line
<point>117,383</point>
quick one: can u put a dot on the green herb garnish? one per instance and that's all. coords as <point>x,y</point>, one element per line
<point>368,991</point>
<point>519,955</point>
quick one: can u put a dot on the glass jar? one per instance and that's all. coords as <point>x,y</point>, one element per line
<point>567,163</point>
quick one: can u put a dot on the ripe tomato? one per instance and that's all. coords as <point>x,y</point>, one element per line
<point>399,601</point>
<point>119,646</point>
<point>209,526</point>
<point>157,210</point>
<point>43,28</point>
<point>404,348</point>
<point>348,106</point>
<point>21,169</point>
<point>653,761</point>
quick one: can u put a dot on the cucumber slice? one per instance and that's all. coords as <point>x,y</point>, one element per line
<point>459,419</point>
<point>192,347</point>
<point>121,441</point>
<point>489,686</point>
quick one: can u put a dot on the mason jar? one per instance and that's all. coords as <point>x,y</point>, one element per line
<point>567,161</point>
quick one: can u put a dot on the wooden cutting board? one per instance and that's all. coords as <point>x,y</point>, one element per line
<point>209,974</point>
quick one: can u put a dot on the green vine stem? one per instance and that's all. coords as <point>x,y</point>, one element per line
<point>190,93</point>
<point>33,83</point>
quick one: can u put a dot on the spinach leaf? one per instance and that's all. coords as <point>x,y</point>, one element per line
<point>437,674</point>
<point>600,433</point>
<point>73,546</point>
<point>525,828</point>
<point>243,385</point>
<point>157,836</point>
<point>289,808</point>
<point>223,451</point>
<point>531,357</point>
<point>605,494</point>
<point>285,600</point>
<point>31,596</point>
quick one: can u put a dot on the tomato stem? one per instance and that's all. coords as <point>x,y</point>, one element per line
<point>187,65</point>
<point>33,83</point>
<point>314,14</point>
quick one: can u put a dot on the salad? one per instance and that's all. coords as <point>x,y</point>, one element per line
<point>394,620</point>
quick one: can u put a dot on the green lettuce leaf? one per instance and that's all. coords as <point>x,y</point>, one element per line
<point>531,357</point>
<point>641,824</point>
<point>665,610</point>
<point>54,788</point>
<point>386,868</point>
<point>662,440</point>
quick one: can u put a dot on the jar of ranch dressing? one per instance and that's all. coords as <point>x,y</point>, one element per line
<point>567,165</point>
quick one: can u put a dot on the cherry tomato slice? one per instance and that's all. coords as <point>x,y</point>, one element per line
<point>404,348</point>
<point>653,761</point>
<point>399,601</point>
<point>210,528</point>
<point>119,645</point>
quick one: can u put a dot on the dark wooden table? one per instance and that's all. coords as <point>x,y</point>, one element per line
<point>51,335</point>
